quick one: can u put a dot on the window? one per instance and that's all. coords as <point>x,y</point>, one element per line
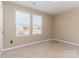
<point>36,24</point>
<point>22,23</point>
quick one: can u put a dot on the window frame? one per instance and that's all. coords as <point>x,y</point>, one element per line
<point>41,24</point>
<point>30,24</point>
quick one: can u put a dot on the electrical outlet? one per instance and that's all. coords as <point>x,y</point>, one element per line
<point>11,41</point>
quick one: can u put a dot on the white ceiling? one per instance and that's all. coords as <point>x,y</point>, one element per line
<point>49,7</point>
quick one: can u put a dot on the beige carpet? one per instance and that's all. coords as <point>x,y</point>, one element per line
<point>50,49</point>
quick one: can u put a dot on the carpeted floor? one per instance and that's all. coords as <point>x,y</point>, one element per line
<point>50,49</point>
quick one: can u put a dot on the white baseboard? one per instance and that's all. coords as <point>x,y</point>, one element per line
<point>75,44</point>
<point>26,45</point>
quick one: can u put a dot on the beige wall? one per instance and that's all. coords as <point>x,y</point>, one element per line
<point>9,26</point>
<point>66,26</point>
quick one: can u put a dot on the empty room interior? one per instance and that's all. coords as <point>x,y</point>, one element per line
<point>39,29</point>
